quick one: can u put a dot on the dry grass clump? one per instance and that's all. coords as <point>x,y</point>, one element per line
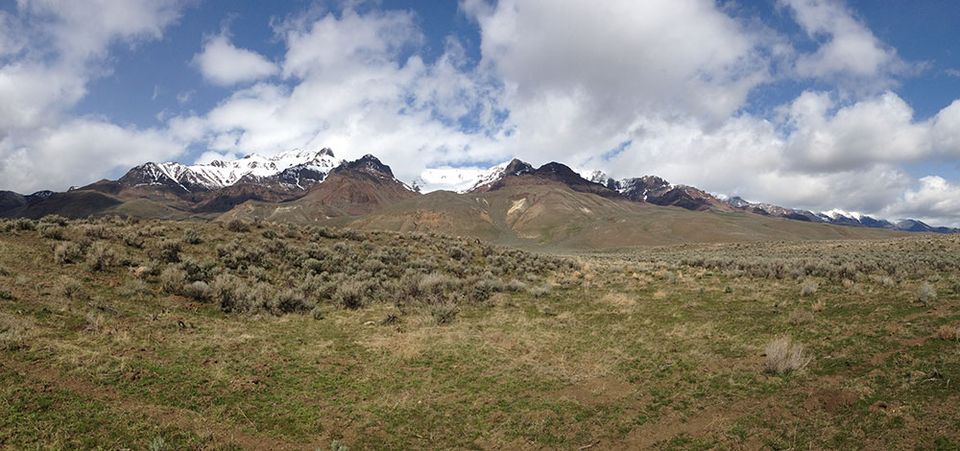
<point>784,356</point>
<point>71,289</point>
<point>539,291</point>
<point>800,317</point>
<point>14,334</point>
<point>949,332</point>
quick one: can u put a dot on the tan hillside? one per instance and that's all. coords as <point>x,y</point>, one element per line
<point>552,214</point>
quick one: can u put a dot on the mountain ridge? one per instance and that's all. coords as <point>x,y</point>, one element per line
<point>219,186</point>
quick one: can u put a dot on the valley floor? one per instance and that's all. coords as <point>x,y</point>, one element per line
<point>658,348</point>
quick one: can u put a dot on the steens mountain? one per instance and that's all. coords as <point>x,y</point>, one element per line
<point>293,170</point>
<point>175,190</point>
<point>513,202</point>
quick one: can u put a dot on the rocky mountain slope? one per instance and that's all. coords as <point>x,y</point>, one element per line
<point>543,203</point>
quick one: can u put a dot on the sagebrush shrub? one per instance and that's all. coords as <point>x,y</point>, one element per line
<point>101,256</point>
<point>238,225</point>
<point>436,283</point>
<point>68,252</point>
<point>198,290</point>
<point>351,295</point>
<point>54,219</point>
<point>291,301</point>
<point>926,293</point>
<point>192,237</point>
<point>485,288</point>
<point>134,240</point>
<point>172,280</point>
<point>24,224</point>
<point>51,231</point>
<point>228,292</point>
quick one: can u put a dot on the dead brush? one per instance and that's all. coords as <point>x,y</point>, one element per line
<point>808,288</point>
<point>800,317</point>
<point>784,356</point>
<point>949,332</point>
<point>444,313</point>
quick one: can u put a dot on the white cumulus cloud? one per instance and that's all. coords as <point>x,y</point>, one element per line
<point>224,64</point>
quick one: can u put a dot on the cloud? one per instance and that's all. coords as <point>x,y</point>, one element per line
<point>933,199</point>
<point>670,84</point>
<point>41,144</point>
<point>671,79</point>
<point>848,51</point>
<point>81,147</point>
<point>873,130</point>
<point>223,64</point>
<point>81,31</point>
<point>625,58</point>
<point>354,84</point>
<point>946,130</point>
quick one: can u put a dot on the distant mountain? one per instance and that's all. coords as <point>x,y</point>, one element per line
<point>311,186</point>
<point>837,217</point>
<point>353,188</point>
<point>294,170</point>
<point>520,172</point>
<point>178,190</point>
<point>657,191</point>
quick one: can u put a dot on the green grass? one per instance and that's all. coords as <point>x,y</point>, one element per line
<point>628,351</point>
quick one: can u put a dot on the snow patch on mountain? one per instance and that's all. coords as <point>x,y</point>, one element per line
<point>837,213</point>
<point>460,180</point>
<point>222,173</point>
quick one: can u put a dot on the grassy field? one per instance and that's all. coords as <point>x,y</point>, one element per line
<point>172,335</point>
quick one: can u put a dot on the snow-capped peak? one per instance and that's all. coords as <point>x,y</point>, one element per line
<point>837,213</point>
<point>221,173</point>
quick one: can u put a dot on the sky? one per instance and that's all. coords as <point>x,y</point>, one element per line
<point>815,104</point>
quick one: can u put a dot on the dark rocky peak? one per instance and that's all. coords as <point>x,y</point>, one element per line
<point>367,164</point>
<point>738,202</point>
<point>325,152</point>
<point>517,167</point>
<point>559,170</point>
<point>39,195</point>
<point>562,173</point>
<point>653,183</point>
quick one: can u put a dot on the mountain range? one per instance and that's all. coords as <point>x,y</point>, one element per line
<point>510,202</point>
